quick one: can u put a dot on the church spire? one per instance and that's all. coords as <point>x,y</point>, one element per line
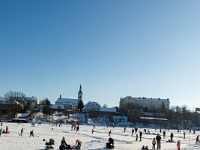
<point>80,93</point>
<point>80,88</point>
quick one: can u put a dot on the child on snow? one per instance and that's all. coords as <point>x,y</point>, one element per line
<point>178,145</point>
<point>21,132</point>
<point>79,143</point>
<point>31,133</point>
<point>136,137</point>
<point>153,143</point>
<point>109,133</point>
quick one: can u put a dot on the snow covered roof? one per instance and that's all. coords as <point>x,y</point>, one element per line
<point>23,114</point>
<point>112,109</point>
<point>153,114</point>
<point>153,118</point>
<point>55,106</point>
<point>147,99</point>
<point>90,103</point>
<point>31,98</point>
<point>9,102</point>
<point>67,101</point>
<point>151,99</point>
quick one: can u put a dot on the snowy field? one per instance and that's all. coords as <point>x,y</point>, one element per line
<point>95,141</point>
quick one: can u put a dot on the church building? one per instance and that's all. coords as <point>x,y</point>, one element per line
<point>69,103</point>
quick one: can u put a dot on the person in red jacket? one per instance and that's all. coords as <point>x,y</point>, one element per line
<point>178,145</point>
<point>79,143</point>
<point>109,133</point>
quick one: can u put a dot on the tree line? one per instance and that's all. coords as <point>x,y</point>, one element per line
<point>17,99</point>
<point>176,116</point>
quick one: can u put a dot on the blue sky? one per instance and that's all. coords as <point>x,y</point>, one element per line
<point>112,48</point>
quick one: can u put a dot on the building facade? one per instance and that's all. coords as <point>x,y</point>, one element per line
<point>92,106</point>
<point>32,102</point>
<point>149,103</point>
<point>69,103</point>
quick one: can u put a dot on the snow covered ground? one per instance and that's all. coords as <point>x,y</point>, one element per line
<point>95,141</point>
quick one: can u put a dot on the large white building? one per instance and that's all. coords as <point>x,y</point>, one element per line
<point>149,103</point>
<point>92,106</point>
<point>70,103</point>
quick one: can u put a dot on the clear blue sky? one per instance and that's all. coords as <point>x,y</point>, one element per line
<point>114,48</point>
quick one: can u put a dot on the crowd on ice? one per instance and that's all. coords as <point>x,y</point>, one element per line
<point>87,137</point>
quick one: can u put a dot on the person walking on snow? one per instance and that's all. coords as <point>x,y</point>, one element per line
<point>109,133</point>
<point>153,143</point>
<point>197,139</point>
<point>140,135</point>
<point>132,131</point>
<point>124,129</point>
<point>171,136</point>
<point>21,132</point>
<point>184,134</point>
<point>164,133</point>
<point>136,137</point>
<point>178,145</point>
<point>79,143</point>
<point>31,134</point>
<point>158,138</point>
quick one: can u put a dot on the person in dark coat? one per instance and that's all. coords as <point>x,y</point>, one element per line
<point>164,133</point>
<point>171,136</point>
<point>140,136</point>
<point>158,138</point>
<point>110,143</point>
<point>31,133</point>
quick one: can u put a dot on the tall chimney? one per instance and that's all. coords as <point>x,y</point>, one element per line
<point>60,96</point>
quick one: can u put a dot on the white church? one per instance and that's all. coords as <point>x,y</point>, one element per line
<point>69,103</point>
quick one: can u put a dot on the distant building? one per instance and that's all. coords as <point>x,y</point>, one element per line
<point>32,102</point>
<point>7,106</point>
<point>92,106</point>
<point>110,110</point>
<point>69,103</point>
<point>149,103</point>
<point>56,107</point>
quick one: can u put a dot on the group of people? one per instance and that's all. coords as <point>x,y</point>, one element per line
<point>156,140</point>
<point>65,146</point>
<point>22,131</point>
<point>145,147</point>
<point>75,127</point>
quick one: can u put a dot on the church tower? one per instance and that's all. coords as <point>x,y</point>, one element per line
<point>80,94</point>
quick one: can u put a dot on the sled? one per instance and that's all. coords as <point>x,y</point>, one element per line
<point>109,146</point>
<point>49,147</point>
<point>49,144</point>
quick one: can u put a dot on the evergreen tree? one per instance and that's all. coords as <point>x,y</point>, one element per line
<point>47,111</point>
<point>80,105</point>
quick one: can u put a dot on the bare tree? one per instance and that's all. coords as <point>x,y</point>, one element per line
<point>13,98</point>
